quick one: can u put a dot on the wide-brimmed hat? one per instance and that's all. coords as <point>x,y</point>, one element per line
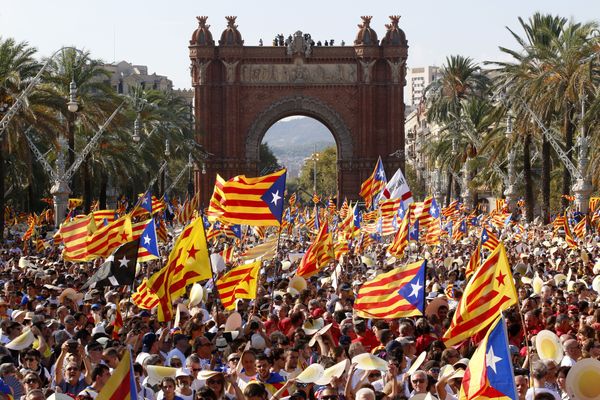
<point>206,375</point>
<point>548,346</point>
<point>583,378</point>
<point>196,294</point>
<point>434,306</point>
<point>22,341</point>
<point>298,283</point>
<point>156,373</point>
<point>417,363</point>
<point>320,332</point>
<point>234,322</point>
<point>367,362</point>
<point>72,294</point>
<point>311,374</point>
<point>334,371</point>
<point>312,326</point>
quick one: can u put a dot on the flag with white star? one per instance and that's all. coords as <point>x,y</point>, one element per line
<point>146,202</point>
<point>398,293</point>
<point>148,243</point>
<point>254,201</point>
<point>489,374</point>
<point>118,269</point>
<point>413,233</point>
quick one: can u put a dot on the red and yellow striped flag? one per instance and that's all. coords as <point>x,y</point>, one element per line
<point>143,297</point>
<point>580,229</point>
<point>490,290</point>
<point>239,283</point>
<point>401,239</point>
<point>568,237</point>
<point>474,261</point>
<point>318,254</point>
<point>105,240</point>
<point>117,324</point>
<point>74,236</point>
<point>121,384</point>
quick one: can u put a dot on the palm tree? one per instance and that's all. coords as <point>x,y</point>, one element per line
<point>460,80</point>
<point>550,73</point>
<point>17,65</point>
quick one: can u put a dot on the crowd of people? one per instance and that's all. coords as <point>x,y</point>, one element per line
<point>300,341</point>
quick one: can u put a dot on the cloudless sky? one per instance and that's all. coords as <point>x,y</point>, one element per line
<point>157,33</point>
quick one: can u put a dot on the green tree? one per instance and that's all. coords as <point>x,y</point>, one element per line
<point>268,161</point>
<point>326,175</point>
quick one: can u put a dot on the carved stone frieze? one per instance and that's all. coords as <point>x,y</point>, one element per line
<point>298,73</point>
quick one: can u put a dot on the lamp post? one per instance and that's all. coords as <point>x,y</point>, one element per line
<point>314,158</point>
<point>164,173</point>
<point>510,193</point>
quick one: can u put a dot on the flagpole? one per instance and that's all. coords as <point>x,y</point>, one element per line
<point>212,273</point>
<point>275,269</point>
<point>526,337</point>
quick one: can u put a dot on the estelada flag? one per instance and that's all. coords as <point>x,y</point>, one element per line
<point>188,263</point>
<point>254,201</point>
<point>490,290</point>
<point>398,293</point>
<point>489,374</point>
<point>238,283</point>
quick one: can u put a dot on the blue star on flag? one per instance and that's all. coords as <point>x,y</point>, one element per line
<point>273,197</point>
<point>413,291</point>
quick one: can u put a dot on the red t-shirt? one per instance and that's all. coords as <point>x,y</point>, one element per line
<point>368,340</point>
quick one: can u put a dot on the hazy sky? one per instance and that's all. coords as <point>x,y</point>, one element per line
<point>157,33</point>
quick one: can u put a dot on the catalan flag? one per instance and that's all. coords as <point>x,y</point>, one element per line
<point>143,297</point>
<point>74,236</point>
<point>215,206</point>
<point>374,184</point>
<point>74,203</point>
<point>489,374</point>
<point>580,228</point>
<point>292,200</point>
<point>490,290</point>
<point>568,237</point>
<point>395,294</point>
<point>239,283</point>
<point>474,261</point>
<point>106,239</point>
<point>593,204</point>
<point>121,384</point>
<point>318,254</point>
<point>254,201</point>
<point>148,243</point>
<point>117,324</point>
<point>400,241</point>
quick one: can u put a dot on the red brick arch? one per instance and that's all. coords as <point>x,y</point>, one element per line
<point>356,91</point>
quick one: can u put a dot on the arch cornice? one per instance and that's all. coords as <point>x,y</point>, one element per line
<point>299,105</point>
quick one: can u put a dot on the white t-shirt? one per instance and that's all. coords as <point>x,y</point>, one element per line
<point>529,394</point>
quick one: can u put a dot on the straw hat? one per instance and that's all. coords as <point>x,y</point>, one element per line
<point>298,283</point>
<point>311,327</point>
<point>18,315</point>
<point>558,278</point>
<point>433,307</point>
<point>156,373</point>
<point>285,265</point>
<point>196,294</point>
<point>234,321</point>
<point>446,371</point>
<point>367,362</point>
<point>596,268</point>
<point>72,294</point>
<point>583,378</point>
<point>368,261</point>
<point>334,371</point>
<point>320,332</point>
<point>311,374</point>
<point>59,396</point>
<point>22,341</point>
<point>537,284</point>
<point>548,346</point>
<point>417,363</point>
<point>206,375</point>
<point>596,284</point>
<point>521,268</point>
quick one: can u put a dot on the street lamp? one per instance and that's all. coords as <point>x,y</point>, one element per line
<point>136,129</point>
<point>72,105</point>
<point>314,158</point>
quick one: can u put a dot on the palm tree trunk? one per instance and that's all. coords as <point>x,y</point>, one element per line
<point>2,190</point>
<point>569,129</point>
<point>475,198</point>
<point>456,189</point>
<point>529,199</point>
<point>31,178</point>
<point>102,194</point>
<point>546,167</point>
<point>87,188</point>
<point>449,189</point>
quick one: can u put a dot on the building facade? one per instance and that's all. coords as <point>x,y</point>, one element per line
<point>417,79</point>
<point>124,76</point>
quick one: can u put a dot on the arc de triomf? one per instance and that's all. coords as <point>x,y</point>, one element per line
<point>356,91</point>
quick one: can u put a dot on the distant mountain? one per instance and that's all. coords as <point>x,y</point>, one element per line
<point>293,140</point>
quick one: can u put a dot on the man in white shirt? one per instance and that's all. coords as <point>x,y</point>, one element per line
<point>180,346</point>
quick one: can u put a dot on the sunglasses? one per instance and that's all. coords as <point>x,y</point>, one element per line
<point>376,375</point>
<point>72,369</point>
<point>331,397</point>
<point>215,382</point>
<point>30,381</point>
<point>418,381</point>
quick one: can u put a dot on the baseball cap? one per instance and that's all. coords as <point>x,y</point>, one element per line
<point>148,340</point>
<point>406,340</point>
